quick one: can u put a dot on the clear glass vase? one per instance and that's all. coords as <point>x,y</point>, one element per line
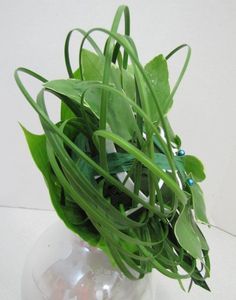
<point>61,266</point>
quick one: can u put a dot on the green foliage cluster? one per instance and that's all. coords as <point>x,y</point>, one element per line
<point>112,162</point>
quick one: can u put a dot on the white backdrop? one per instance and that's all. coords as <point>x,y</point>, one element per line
<point>32,34</point>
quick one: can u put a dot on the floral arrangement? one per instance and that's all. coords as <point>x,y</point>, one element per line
<point>115,170</point>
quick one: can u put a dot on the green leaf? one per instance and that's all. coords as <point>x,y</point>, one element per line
<point>119,111</point>
<point>194,166</point>
<point>157,72</point>
<point>71,217</point>
<point>92,66</point>
<point>73,212</point>
<point>202,283</point>
<point>199,203</point>
<point>37,147</point>
<point>201,237</point>
<point>128,83</point>
<point>120,162</point>
<point>186,234</point>
<point>66,112</point>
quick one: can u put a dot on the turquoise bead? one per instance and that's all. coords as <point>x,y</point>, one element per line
<point>190,181</point>
<point>181,152</point>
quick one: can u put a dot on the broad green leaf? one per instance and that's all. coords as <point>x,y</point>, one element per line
<point>198,203</point>
<point>128,83</point>
<point>90,62</point>
<point>66,113</point>
<point>119,111</point>
<point>201,237</point>
<point>93,68</point>
<point>37,146</point>
<point>194,167</point>
<point>186,234</point>
<point>157,72</point>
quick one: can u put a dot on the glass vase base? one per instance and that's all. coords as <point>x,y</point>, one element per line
<point>61,266</point>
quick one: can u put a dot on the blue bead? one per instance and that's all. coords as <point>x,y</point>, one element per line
<point>181,152</point>
<point>190,181</point>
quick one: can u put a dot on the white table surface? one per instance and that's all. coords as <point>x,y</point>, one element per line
<point>20,228</point>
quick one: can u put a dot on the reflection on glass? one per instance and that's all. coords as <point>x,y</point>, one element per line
<point>63,267</point>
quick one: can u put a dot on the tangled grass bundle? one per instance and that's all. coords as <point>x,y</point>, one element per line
<point>115,170</point>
